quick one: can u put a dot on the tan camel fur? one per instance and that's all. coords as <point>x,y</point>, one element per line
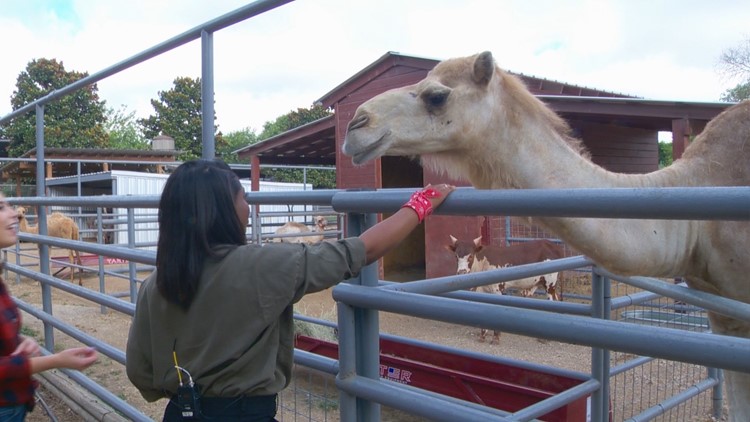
<point>473,121</point>
<point>58,225</point>
<point>295,227</point>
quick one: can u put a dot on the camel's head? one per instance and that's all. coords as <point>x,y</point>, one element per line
<point>321,222</point>
<point>439,114</point>
<point>21,211</point>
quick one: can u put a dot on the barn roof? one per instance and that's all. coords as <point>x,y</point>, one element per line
<point>91,160</point>
<point>311,144</point>
<point>632,112</point>
<point>373,71</point>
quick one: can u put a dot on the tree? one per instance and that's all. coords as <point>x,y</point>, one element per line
<point>232,142</point>
<point>320,179</point>
<point>123,131</point>
<point>73,121</point>
<point>292,120</point>
<point>665,154</point>
<point>179,115</point>
<point>737,94</point>
<point>734,63</point>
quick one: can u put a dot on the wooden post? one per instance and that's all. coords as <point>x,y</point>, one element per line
<point>680,137</point>
<point>255,177</point>
<point>254,173</point>
<point>683,131</point>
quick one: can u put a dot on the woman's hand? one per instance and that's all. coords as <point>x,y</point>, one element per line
<point>443,190</point>
<point>78,358</point>
<point>424,201</point>
<point>385,235</point>
<point>28,347</point>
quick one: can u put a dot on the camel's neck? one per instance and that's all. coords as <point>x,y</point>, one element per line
<point>25,227</point>
<point>535,156</point>
<point>532,155</point>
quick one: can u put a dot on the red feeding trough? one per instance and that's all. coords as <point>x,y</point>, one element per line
<point>501,386</point>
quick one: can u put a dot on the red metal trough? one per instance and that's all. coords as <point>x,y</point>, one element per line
<point>497,385</point>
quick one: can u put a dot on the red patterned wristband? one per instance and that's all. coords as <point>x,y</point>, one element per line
<point>420,202</point>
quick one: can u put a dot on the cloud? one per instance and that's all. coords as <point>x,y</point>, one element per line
<point>291,56</point>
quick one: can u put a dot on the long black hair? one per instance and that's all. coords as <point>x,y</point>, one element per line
<point>196,214</point>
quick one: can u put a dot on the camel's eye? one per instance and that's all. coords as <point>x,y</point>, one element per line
<point>435,98</point>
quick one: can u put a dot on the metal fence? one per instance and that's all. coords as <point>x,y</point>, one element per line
<point>612,326</point>
<point>602,323</point>
<point>638,382</point>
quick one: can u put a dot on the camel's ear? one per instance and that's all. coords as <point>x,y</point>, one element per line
<point>484,68</point>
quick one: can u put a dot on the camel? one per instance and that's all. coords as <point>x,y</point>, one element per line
<point>58,225</point>
<point>473,121</point>
<point>295,227</point>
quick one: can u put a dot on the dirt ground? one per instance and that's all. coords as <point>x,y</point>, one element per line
<point>113,327</point>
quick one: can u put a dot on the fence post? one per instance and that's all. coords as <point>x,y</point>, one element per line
<point>717,394</point>
<point>600,308</point>
<point>100,261</point>
<point>131,264</point>
<point>366,346</point>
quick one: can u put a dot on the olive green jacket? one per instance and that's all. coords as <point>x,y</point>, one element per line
<point>237,338</point>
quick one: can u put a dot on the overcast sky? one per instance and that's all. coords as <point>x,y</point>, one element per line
<point>290,56</point>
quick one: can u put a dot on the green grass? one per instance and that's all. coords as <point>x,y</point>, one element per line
<point>30,332</point>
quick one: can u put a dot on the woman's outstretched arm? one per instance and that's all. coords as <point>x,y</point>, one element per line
<point>387,234</point>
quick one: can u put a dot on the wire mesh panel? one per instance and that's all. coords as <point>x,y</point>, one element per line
<point>311,396</point>
<point>656,380</point>
<point>648,382</point>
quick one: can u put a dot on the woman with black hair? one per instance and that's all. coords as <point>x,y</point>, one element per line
<point>213,329</point>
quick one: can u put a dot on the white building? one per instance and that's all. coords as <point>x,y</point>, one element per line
<point>120,182</point>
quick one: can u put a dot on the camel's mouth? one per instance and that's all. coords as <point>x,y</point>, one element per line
<point>369,152</point>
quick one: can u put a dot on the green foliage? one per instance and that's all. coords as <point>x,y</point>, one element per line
<point>665,154</point>
<point>30,332</point>
<point>123,131</point>
<point>327,404</point>
<point>320,179</point>
<point>73,121</point>
<point>178,114</point>
<point>232,142</point>
<point>738,93</point>
<point>292,120</point>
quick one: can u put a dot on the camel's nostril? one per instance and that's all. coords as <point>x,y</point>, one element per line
<point>358,122</point>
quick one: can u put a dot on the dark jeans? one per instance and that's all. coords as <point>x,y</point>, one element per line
<point>228,409</point>
<point>13,413</point>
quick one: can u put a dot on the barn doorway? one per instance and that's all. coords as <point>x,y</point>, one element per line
<point>407,261</point>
